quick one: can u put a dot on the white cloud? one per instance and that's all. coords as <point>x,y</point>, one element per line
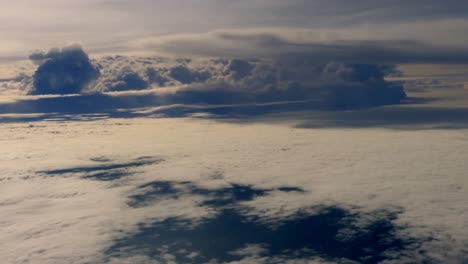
<point>63,218</point>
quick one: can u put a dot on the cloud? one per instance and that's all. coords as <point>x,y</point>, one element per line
<point>186,75</point>
<point>329,85</point>
<point>155,76</point>
<point>16,85</point>
<point>240,68</point>
<point>332,85</point>
<point>341,167</point>
<point>126,79</point>
<point>62,71</point>
<point>373,44</point>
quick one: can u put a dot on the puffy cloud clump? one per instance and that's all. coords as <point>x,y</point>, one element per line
<point>121,73</point>
<point>16,85</point>
<point>360,85</point>
<point>187,75</point>
<point>331,85</point>
<point>66,70</point>
<point>240,68</point>
<point>156,76</point>
<point>126,79</point>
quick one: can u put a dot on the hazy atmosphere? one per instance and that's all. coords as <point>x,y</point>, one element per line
<point>237,132</point>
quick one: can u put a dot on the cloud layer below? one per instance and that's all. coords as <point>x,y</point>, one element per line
<point>387,195</point>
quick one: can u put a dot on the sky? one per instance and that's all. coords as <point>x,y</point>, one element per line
<point>110,26</point>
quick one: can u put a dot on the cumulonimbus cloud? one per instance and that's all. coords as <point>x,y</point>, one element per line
<point>62,71</point>
<point>331,84</point>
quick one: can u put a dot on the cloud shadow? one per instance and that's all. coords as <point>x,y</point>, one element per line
<point>230,195</point>
<point>233,234</point>
<point>105,172</point>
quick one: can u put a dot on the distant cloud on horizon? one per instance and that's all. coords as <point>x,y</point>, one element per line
<point>334,84</point>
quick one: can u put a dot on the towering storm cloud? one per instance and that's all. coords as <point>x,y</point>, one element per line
<point>62,71</point>
<point>331,85</point>
<point>328,85</point>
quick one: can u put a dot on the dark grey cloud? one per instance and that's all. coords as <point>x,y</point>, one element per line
<point>235,81</point>
<point>350,45</point>
<point>240,68</point>
<point>126,79</point>
<point>331,85</point>
<point>290,77</point>
<point>155,76</point>
<point>62,71</point>
<point>186,75</point>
